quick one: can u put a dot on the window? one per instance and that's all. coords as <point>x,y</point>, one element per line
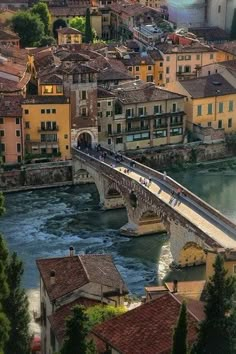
<point>187,57</point>
<point>1,120</point>
<point>84,95</point>
<point>137,68</point>
<point>26,111</point>
<point>109,103</point>
<point>67,147</point>
<point>199,110</point>
<point>108,113</point>
<point>27,125</point>
<point>48,89</point>
<point>100,114</point>
<point>18,147</point>
<point>98,104</point>
<point>2,147</point>
<point>118,128</point>
<point>129,112</point>
<point>136,77</point>
<point>83,112</point>
<point>220,125</point>
<point>119,140</point>
<point>209,108</point>
<point>160,76</point>
<point>219,9</point>
<point>109,129</point>
<point>1,132</point>
<point>54,111</point>
<point>209,124</point>
<point>198,57</point>
<point>149,67</point>
<point>161,64</point>
<point>27,137</point>
<point>59,89</point>
<point>130,68</point>
<point>176,131</point>
<point>211,56</point>
<point>221,107</point>
<point>19,159</point>
<point>42,111</point>
<point>17,120</point>
<point>231,106</point>
<point>149,78</point>
<point>99,129</point>
<point>174,107</point>
<point>230,123</point>
<point>65,136</point>
<point>48,111</point>
<point>48,137</point>
<point>167,70</point>
<point>158,109</point>
<point>159,134</point>
<point>180,69</point>
<point>234,268</point>
<point>109,141</point>
<point>187,69</point>
<point>167,80</point>
<point>168,58</point>
<point>17,132</point>
<point>141,111</point>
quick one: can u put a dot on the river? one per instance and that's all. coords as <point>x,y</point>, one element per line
<point>44,223</point>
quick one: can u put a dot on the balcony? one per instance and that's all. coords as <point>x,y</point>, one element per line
<point>48,129</point>
<point>160,126</point>
<point>137,129</point>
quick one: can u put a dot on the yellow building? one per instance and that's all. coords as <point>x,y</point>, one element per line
<point>210,102</point>
<point>225,51</point>
<point>46,121</point>
<point>69,35</point>
<point>50,86</point>
<point>229,261</point>
<point>147,66</point>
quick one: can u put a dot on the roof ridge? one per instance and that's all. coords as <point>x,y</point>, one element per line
<point>188,310</point>
<point>84,268</point>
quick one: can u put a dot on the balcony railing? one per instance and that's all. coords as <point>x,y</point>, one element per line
<point>48,129</point>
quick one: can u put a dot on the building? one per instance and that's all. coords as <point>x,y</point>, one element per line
<point>148,328</point>
<point>220,13</point>
<point>69,35</point>
<point>14,4</point>
<point>47,126</point>
<point>183,62</point>
<point>8,39</point>
<point>225,51</point>
<point>210,102</point>
<point>187,13</point>
<point>229,256</point>
<point>66,281</point>
<point>144,116</point>
<point>11,130</point>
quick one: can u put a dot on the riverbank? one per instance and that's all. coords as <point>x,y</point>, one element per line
<point>32,188</point>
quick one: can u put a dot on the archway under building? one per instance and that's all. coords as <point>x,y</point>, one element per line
<point>84,140</point>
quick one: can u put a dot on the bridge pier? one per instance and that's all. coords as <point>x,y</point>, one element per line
<point>143,227</point>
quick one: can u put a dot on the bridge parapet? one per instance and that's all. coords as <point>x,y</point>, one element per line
<point>166,180</point>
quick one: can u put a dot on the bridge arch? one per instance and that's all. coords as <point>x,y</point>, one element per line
<point>85,139</point>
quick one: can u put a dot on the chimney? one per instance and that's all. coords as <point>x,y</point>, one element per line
<point>52,277</point>
<point>175,286</point>
<point>72,251</point>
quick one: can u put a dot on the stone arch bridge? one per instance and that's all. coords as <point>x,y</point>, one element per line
<point>192,224</point>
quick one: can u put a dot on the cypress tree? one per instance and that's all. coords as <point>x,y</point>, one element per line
<point>16,309</point>
<point>233,27</point>
<point>180,332</point>
<point>88,28</point>
<point>217,332</point>
<point>76,332</point>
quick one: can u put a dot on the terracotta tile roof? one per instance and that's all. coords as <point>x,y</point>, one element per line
<point>76,57</point>
<point>102,93</point>
<point>46,100</point>
<point>208,86</point>
<point>68,30</point>
<point>16,55</point>
<point>13,69</point>
<point>210,34</point>
<point>57,319</point>
<point>10,106</point>
<point>8,35</point>
<point>67,11</point>
<point>167,48</point>
<point>110,74</point>
<point>228,47</point>
<point>148,92</point>
<point>148,329</point>
<point>53,79</point>
<point>188,289</point>
<point>74,272</point>
<point>9,86</point>
<point>196,307</point>
<point>132,59</point>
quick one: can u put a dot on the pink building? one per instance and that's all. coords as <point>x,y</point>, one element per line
<point>11,132</point>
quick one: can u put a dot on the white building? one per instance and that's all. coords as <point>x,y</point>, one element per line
<point>220,13</point>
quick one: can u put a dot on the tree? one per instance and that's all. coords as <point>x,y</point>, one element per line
<point>16,308</point>
<point>60,23</point>
<point>29,28</point>
<point>100,313</point>
<point>41,10</point>
<point>46,41</point>
<point>88,28</point>
<point>180,332</point>
<point>78,23</point>
<point>76,332</point>
<point>217,332</point>
<point>4,291</point>
<point>233,27</point>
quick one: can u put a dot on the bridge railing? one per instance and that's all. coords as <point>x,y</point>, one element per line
<point>166,180</point>
<point>110,172</point>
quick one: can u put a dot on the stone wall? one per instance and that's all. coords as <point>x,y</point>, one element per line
<point>173,155</point>
<point>37,175</point>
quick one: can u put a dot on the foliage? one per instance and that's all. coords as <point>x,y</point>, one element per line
<point>46,41</point>
<point>217,332</point>
<point>100,313</point>
<point>180,332</point>
<point>76,332</point>
<point>29,28</point>
<point>78,23</point>
<point>88,28</point>
<point>233,27</point>
<point>16,309</point>
<point>41,10</point>
<point>60,23</point>
<point>2,209</point>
